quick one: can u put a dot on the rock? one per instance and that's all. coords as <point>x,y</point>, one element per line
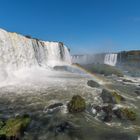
<point>118,98</point>
<point>14,128</point>
<point>126,80</point>
<point>107,96</point>
<point>98,108</point>
<point>54,105</point>
<point>108,111</point>
<point>60,68</point>
<point>125,113</point>
<point>118,113</point>
<point>77,104</point>
<point>62,127</point>
<point>107,118</point>
<point>129,114</point>
<point>92,83</point>
<point>111,97</point>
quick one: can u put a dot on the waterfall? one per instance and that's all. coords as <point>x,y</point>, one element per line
<point>80,59</point>
<point>17,51</point>
<point>110,59</point>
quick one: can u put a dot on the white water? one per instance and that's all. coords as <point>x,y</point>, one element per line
<point>110,59</point>
<point>19,52</point>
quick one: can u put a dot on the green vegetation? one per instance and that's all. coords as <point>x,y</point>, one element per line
<point>118,98</point>
<point>103,69</point>
<point>129,114</point>
<point>77,104</point>
<point>14,127</point>
<point>111,97</point>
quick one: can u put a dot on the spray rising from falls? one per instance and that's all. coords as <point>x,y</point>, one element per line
<point>110,59</point>
<point>18,52</point>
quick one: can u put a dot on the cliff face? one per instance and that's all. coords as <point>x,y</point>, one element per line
<point>18,51</point>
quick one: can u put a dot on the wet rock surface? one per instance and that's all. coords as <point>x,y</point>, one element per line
<point>13,128</point>
<point>62,127</point>
<point>108,113</point>
<point>52,106</point>
<point>125,113</point>
<point>77,104</point>
<point>92,83</point>
<point>111,97</point>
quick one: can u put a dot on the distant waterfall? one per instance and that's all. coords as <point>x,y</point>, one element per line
<point>17,51</point>
<point>110,59</point>
<point>80,59</point>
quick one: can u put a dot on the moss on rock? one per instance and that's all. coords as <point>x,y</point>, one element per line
<point>129,114</point>
<point>118,98</point>
<point>77,104</point>
<point>111,97</point>
<point>14,127</point>
<point>125,113</point>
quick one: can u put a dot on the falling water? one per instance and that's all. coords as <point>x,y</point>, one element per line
<point>17,51</point>
<point>110,59</point>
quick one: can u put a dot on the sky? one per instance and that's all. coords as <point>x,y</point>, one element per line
<point>85,26</point>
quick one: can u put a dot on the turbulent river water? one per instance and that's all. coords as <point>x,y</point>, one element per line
<point>29,84</point>
<point>31,91</point>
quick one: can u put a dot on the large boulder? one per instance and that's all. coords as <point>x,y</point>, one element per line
<point>92,83</point>
<point>77,104</point>
<point>111,97</point>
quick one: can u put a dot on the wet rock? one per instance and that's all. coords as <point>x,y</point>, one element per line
<point>60,68</point>
<point>118,113</point>
<point>92,83</point>
<point>125,113</point>
<point>126,80</point>
<point>107,118</point>
<point>62,127</point>
<point>111,97</point>
<point>14,128</point>
<point>118,98</point>
<point>77,104</point>
<point>107,96</point>
<point>98,108</point>
<point>108,113</point>
<point>52,106</point>
<point>107,109</point>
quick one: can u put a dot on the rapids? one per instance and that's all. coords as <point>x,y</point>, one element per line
<point>29,83</point>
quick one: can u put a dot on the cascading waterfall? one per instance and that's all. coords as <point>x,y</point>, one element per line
<point>110,59</point>
<point>17,51</point>
<point>81,59</point>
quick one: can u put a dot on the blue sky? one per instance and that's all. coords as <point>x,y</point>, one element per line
<point>85,26</point>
